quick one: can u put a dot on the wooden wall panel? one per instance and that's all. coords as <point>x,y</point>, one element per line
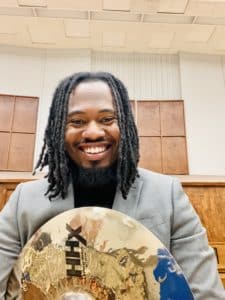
<point>150,153</point>
<point>6,112</point>
<point>148,118</point>
<point>18,117</point>
<point>6,189</point>
<point>219,249</point>
<point>209,203</point>
<point>174,155</point>
<point>172,118</point>
<point>165,120</point>
<point>21,152</point>
<point>4,149</point>
<point>208,199</point>
<point>25,115</point>
<point>222,276</point>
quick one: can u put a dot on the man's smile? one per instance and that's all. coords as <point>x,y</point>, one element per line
<point>92,150</point>
<point>94,147</point>
<point>95,151</point>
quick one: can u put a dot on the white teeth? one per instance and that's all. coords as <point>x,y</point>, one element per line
<point>94,150</point>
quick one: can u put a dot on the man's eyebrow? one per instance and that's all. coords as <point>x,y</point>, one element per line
<point>75,112</point>
<point>107,110</point>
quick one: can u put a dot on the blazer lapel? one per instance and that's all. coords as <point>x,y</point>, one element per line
<point>60,204</point>
<point>129,206</point>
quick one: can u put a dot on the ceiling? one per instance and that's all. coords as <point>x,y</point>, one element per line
<point>155,26</point>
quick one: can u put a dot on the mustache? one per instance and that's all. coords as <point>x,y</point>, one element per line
<point>88,141</point>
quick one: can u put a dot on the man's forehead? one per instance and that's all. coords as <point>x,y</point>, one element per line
<point>92,86</point>
<point>94,94</point>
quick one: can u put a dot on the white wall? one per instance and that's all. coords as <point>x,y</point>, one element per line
<point>203,89</point>
<point>146,76</point>
<point>198,80</point>
<point>22,71</point>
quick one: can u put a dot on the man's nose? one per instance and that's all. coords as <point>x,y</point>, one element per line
<point>93,131</point>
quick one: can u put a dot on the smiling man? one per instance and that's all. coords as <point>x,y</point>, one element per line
<point>91,149</point>
<point>92,141</point>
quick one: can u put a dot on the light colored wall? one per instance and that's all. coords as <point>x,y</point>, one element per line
<point>146,76</point>
<point>203,89</point>
<point>22,71</point>
<point>195,79</point>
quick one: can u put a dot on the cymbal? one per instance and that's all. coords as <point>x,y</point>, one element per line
<point>96,253</point>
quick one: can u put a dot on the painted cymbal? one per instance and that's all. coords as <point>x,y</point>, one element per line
<point>96,253</point>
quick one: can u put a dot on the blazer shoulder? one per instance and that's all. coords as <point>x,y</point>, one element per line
<point>34,186</point>
<point>157,178</point>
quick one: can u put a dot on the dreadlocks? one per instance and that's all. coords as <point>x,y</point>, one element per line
<point>53,151</point>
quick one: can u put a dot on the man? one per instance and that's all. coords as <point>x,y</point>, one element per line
<point>91,149</point>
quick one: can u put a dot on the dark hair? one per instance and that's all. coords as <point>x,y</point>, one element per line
<point>53,151</point>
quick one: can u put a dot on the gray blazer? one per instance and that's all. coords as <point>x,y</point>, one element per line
<point>155,200</point>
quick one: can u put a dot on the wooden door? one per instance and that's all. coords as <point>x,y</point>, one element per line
<point>18,118</point>
<point>161,129</point>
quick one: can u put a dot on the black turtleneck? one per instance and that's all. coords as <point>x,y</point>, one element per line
<point>94,196</point>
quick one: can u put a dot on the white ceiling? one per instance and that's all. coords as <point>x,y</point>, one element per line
<point>156,26</point>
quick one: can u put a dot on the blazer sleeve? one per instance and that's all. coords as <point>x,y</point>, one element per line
<point>189,245</point>
<point>10,246</point>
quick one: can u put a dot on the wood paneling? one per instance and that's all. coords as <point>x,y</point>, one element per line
<point>10,180</point>
<point>25,115</point>
<point>6,112</point>
<point>209,202</point>
<point>4,149</point>
<point>219,248</point>
<point>21,152</point>
<point>6,190</point>
<point>150,153</point>
<point>148,118</point>
<point>172,118</point>
<point>174,155</point>
<point>165,120</point>
<point>18,117</point>
<point>222,276</point>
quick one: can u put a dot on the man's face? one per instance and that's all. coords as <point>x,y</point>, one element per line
<point>92,133</point>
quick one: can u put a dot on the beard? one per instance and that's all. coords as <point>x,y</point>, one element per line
<point>95,177</point>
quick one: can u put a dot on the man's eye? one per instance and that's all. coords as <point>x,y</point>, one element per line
<point>108,120</point>
<point>77,122</point>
